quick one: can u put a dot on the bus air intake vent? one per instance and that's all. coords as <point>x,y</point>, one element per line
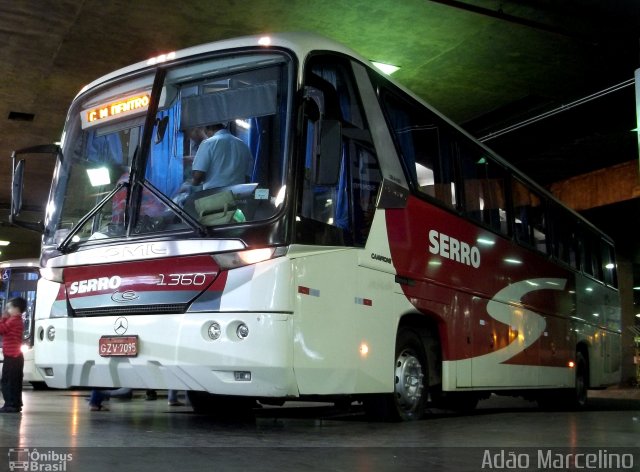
<point>172,309</point>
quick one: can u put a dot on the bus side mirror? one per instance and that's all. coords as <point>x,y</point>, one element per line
<point>17,184</point>
<point>329,156</point>
<point>16,189</point>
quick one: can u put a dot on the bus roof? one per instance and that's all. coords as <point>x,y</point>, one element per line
<point>301,43</point>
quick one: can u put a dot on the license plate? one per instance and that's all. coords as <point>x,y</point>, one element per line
<point>118,346</point>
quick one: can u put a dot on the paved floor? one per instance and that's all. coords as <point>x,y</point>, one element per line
<point>56,429</point>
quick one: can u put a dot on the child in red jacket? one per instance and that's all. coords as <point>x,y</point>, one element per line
<point>11,327</point>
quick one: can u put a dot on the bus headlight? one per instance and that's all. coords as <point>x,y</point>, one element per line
<point>51,333</point>
<point>242,331</point>
<point>214,330</point>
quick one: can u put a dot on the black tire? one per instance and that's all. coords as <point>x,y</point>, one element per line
<point>579,397</point>
<point>569,398</point>
<point>39,385</point>
<point>221,406</point>
<point>407,402</point>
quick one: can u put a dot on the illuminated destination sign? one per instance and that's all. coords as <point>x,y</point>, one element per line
<point>115,109</point>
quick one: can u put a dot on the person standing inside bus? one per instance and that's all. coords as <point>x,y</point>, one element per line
<point>222,159</point>
<point>11,327</point>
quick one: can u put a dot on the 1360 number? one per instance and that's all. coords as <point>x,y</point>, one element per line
<point>182,279</point>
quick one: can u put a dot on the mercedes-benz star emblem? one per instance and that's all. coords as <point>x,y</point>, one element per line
<point>121,325</point>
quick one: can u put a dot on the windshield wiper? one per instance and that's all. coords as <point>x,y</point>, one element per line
<point>182,214</point>
<point>66,241</point>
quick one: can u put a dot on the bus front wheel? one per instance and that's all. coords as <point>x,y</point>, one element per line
<point>221,406</point>
<point>407,402</point>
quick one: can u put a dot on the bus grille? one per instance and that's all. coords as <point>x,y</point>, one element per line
<point>176,308</point>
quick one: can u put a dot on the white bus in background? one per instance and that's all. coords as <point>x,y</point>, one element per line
<point>377,253</point>
<point>20,279</point>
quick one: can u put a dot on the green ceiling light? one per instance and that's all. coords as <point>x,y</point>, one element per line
<point>385,68</point>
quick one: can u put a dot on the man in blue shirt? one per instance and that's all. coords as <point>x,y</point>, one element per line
<point>222,159</point>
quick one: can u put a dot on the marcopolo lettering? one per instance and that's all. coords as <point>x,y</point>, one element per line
<point>95,285</point>
<point>451,248</point>
<point>378,257</point>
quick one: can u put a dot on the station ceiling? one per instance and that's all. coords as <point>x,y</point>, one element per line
<point>489,65</point>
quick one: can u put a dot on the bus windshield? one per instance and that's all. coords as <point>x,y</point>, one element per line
<point>241,99</point>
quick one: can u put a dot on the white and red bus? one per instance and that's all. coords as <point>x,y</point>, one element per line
<point>19,278</point>
<point>377,254</point>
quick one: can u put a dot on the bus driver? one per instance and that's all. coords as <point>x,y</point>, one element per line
<point>222,159</point>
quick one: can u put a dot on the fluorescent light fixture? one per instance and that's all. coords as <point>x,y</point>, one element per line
<point>99,176</point>
<point>4,243</point>
<point>245,124</point>
<point>385,68</point>
<point>511,260</point>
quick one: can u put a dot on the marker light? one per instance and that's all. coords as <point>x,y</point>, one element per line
<point>385,68</point>
<point>364,350</point>
<point>264,41</point>
<point>571,364</point>
<point>24,348</point>
<point>161,58</point>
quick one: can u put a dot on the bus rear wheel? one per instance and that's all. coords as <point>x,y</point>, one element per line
<point>407,402</point>
<point>570,398</point>
<point>579,394</point>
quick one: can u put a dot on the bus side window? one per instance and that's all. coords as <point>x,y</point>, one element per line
<point>563,237</point>
<point>609,264</point>
<point>484,188</point>
<point>424,144</point>
<point>529,217</point>
<point>340,212</point>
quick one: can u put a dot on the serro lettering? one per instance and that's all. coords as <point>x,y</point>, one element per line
<point>95,285</point>
<point>451,248</point>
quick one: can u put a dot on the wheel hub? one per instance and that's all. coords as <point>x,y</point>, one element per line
<point>408,385</point>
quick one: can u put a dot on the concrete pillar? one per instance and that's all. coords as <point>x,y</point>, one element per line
<point>625,285</point>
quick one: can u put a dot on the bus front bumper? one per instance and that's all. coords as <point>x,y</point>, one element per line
<point>251,356</point>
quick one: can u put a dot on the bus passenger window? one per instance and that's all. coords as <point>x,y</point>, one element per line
<point>529,217</point>
<point>422,139</point>
<point>609,264</point>
<point>484,188</point>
